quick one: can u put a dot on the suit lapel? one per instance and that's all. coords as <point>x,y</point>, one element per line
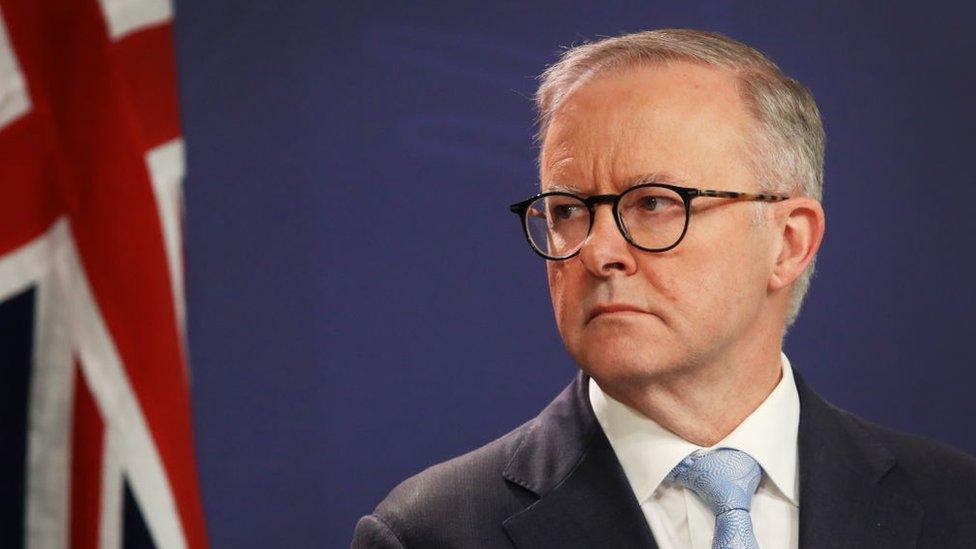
<point>846,497</point>
<point>584,498</point>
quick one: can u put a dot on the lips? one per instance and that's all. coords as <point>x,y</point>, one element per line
<point>610,308</point>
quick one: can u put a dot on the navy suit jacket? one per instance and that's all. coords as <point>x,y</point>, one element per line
<point>555,482</point>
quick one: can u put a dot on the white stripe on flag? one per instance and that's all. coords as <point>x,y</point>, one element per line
<point>166,170</point>
<point>110,530</point>
<point>119,407</point>
<point>51,394</point>
<point>127,16</point>
<point>26,266</point>
<point>14,98</point>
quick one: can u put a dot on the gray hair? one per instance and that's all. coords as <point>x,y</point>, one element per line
<point>788,145</point>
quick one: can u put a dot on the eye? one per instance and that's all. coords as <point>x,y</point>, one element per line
<point>649,203</point>
<point>653,203</point>
<point>565,211</point>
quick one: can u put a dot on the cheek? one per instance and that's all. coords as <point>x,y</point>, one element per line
<point>564,292</point>
<point>556,289</point>
<point>670,280</point>
<point>701,284</point>
<point>735,279</point>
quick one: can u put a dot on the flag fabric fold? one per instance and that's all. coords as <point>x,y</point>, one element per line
<point>98,445</point>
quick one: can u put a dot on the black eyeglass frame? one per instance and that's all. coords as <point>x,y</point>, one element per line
<point>687,194</point>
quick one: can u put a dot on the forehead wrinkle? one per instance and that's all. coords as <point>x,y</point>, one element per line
<point>561,162</point>
<point>574,146</point>
<point>556,154</point>
<point>555,177</point>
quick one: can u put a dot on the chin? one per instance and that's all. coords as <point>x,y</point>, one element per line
<point>626,359</point>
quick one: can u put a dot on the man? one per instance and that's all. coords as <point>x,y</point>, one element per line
<point>681,173</point>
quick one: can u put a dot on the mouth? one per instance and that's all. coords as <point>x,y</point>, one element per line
<point>613,309</point>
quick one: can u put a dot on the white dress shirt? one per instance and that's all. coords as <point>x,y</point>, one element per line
<point>677,517</point>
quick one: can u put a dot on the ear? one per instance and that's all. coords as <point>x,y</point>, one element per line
<point>801,225</point>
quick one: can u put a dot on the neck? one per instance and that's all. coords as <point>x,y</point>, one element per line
<point>704,404</point>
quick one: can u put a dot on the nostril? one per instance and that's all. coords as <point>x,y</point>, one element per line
<point>615,265</point>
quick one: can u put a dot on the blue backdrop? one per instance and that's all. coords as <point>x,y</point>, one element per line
<point>362,304</point>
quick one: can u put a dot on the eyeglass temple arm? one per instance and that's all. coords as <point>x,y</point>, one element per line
<point>741,196</point>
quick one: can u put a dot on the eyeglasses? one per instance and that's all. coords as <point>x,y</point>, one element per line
<point>652,217</point>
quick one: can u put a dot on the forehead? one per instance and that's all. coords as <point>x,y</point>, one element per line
<point>680,119</point>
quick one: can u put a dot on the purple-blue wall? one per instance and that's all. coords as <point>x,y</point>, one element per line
<point>362,304</point>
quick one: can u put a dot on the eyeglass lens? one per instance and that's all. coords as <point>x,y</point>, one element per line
<point>652,218</point>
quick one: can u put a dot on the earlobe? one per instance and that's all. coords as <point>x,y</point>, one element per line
<point>802,224</point>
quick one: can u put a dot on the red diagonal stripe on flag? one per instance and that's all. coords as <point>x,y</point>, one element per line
<point>88,446</point>
<point>145,66</point>
<point>28,202</point>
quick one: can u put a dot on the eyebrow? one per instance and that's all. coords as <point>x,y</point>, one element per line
<point>653,177</point>
<point>659,177</point>
<point>560,188</point>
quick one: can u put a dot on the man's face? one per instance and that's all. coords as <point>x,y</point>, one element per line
<point>698,303</point>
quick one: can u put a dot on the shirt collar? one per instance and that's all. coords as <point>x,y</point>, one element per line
<point>647,452</point>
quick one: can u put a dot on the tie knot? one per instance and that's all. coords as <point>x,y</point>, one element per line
<point>724,479</point>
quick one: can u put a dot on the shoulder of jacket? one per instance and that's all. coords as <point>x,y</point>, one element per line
<point>468,485</point>
<point>933,467</point>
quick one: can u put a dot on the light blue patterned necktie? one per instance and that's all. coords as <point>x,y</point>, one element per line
<point>725,480</point>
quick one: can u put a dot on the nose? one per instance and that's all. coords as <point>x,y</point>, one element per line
<point>605,250</point>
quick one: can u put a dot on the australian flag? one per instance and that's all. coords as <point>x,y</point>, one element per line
<point>95,434</point>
